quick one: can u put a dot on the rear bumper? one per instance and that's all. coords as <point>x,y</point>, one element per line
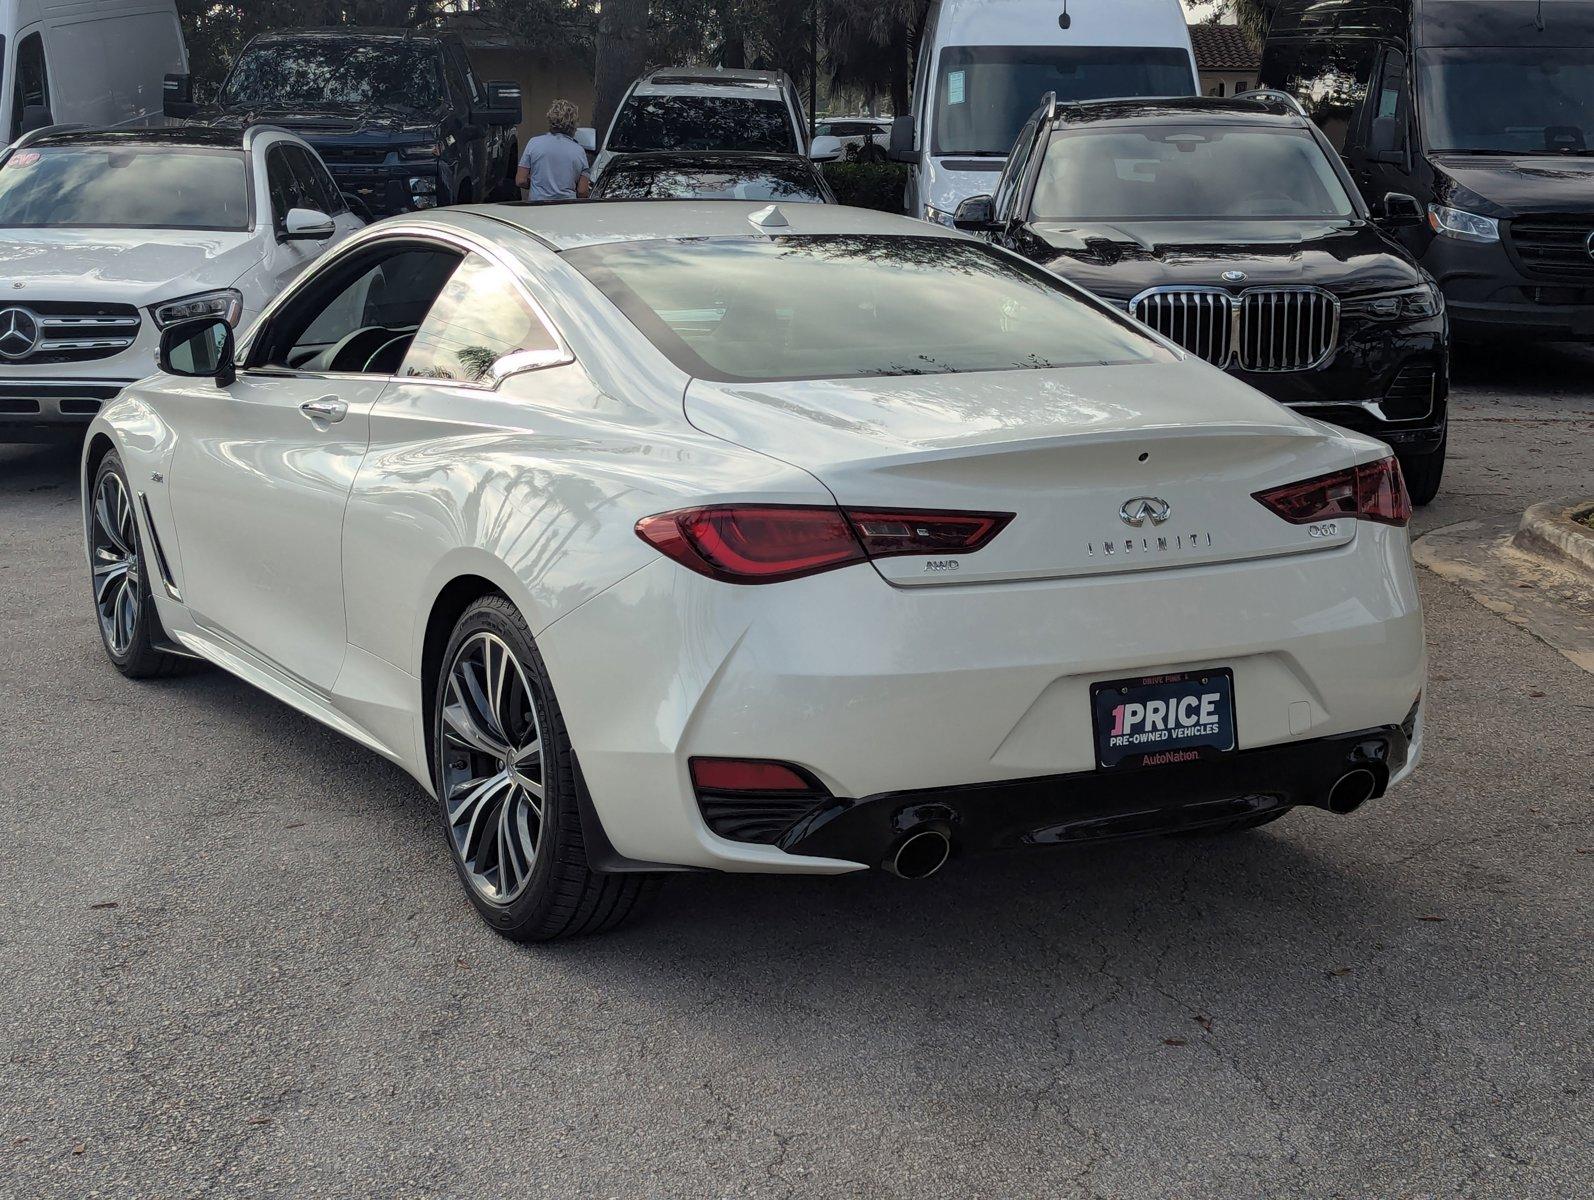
<point>1104,806</point>
<point>877,690</point>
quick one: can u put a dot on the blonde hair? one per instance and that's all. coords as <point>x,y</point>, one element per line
<point>562,117</point>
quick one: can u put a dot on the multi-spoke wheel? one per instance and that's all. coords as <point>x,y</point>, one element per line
<point>506,780</point>
<point>492,767</point>
<point>119,578</point>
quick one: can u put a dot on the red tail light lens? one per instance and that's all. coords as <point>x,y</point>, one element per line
<point>759,543</point>
<point>748,775</point>
<point>1374,491</point>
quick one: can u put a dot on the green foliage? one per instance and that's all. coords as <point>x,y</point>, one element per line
<point>868,185</point>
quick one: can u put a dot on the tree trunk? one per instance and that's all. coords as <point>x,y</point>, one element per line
<point>622,55</point>
<point>901,84</point>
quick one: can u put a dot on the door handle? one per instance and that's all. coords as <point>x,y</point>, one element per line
<point>328,408</point>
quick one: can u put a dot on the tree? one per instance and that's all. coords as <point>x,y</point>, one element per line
<point>622,54</point>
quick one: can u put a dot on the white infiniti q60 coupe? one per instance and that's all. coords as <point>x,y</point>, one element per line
<point>665,536</point>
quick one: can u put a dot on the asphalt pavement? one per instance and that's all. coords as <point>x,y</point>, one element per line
<point>235,961</point>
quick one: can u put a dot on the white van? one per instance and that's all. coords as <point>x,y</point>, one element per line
<point>86,62</point>
<point>984,66</point>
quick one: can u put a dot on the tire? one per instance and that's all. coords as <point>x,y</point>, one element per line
<point>1424,471</point>
<point>523,864</point>
<point>119,584</point>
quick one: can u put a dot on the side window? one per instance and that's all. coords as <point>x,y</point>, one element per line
<point>1330,78</point>
<point>287,190</point>
<point>364,317</point>
<point>33,81</point>
<point>315,181</point>
<point>455,74</point>
<point>1390,94</point>
<point>1008,188</point>
<point>479,318</point>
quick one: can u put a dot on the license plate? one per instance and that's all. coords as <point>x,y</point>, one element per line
<point>1162,719</point>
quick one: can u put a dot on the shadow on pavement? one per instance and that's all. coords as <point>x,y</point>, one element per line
<point>38,468</point>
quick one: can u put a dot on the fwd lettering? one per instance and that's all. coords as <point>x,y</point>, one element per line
<point>1165,720</point>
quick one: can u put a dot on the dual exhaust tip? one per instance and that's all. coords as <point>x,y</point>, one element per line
<point>926,850</point>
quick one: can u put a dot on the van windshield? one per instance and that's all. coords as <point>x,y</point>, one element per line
<point>336,72</point>
<point>124,187</point>
<point>1508,100</point>
<point>1176,173</point>
<point>983,94</point>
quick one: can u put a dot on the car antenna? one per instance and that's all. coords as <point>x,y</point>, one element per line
<point>770,218</point>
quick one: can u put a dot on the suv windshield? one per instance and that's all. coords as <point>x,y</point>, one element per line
<point>336,72</point>
<point>849,305</point>
<point>1186,172</point>
<point>704,123</point>
<point>1508,101</point>
<point>124,187</point>
<point>984,94</point>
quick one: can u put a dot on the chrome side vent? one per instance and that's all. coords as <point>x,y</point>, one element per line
<point>164,567</point>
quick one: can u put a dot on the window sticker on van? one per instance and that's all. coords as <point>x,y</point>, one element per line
<point>954,87</point>
<point>25,158</point>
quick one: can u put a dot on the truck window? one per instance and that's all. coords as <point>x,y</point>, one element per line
<point>1330,78</point>
<point>33,81</point>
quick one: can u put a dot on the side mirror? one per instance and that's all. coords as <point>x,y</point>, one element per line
<point>504,106</point>
<point>1383,142</point>
<point>199,350</point>
<point>1401,211</point>
<point>307,225</point>
<point>977,214</point>
<point>178,97</point>
<point>825,148</point>
<point>904,140</point>
<point>587,139</point>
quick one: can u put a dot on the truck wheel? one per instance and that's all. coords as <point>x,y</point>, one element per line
<point>1424,471</point>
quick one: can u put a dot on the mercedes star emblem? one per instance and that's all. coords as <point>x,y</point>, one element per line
<point>19,332</point>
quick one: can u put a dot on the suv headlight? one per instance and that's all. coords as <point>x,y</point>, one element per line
<point>1463,225</point>
<point>227,304</point>
<point>424,150</point>
<point>1413,303</point>
<point>932,213</point>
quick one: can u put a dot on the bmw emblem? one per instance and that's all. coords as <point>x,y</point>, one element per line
<point>1234,276</point>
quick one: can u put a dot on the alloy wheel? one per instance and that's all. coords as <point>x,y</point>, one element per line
<point>115,561</point>
<point>493,771</point>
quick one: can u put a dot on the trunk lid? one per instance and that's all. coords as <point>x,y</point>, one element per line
<point>1087,457</point>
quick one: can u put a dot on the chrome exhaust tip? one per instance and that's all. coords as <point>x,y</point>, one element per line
<point>1351,790</point>
<point>919,855</point>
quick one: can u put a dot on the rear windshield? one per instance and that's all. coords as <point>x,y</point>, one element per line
<point>704,123</point>
<point>717,181</point>
<point>1171,172</point>
<point>125,187</point>
<point>336,72</point>
<point>845,306</point>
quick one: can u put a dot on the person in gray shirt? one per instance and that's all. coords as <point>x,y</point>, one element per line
<point>554,167</point>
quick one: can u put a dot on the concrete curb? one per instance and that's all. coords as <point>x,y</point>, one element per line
<point>1548,530</point>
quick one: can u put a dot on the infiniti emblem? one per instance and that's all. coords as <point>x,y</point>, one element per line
<point>19,332</point>
<point>1138,511</point>
<point>1234,276</point>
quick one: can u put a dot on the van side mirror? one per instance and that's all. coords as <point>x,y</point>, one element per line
<point>504,105</point>
<point>1401,211</point>
<point>904,140</point>
<point>177,97</point>
<point>307,225</point>
<point>1384,142</point>
<point>587,139</point>
<point>36,117</point>
<point>977,214</point>
<point>199,350</point>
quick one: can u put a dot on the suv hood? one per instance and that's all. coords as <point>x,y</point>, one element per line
<point>331,119</point>
<point>1519,184</point>
<point>134,266</point>
<point>1121,260</point>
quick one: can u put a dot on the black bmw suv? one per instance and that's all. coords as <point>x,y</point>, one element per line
<point>400,117</point>
<point>1232,228</point>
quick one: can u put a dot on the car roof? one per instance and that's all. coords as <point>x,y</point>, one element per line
<point>171,135</point>
<point>713,77</point>
<point>574,224</point>
<point>688,159</point>
<point>1264,110</point>
<point>358,33</point>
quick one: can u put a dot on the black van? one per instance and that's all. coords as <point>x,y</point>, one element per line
<point>399,116</point>
<point>1482,111</point>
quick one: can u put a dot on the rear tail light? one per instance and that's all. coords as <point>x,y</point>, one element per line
<point>749,775</point>
<point>1374,491</point>
<point>763,543</point>
<point>754,800</point>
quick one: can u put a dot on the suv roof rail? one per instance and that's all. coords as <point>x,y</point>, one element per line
<point>1049,103</point>
<point>1264,95</point>
<point>34,135</point>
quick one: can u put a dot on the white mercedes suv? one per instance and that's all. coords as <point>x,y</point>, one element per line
<point>108,237</point>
